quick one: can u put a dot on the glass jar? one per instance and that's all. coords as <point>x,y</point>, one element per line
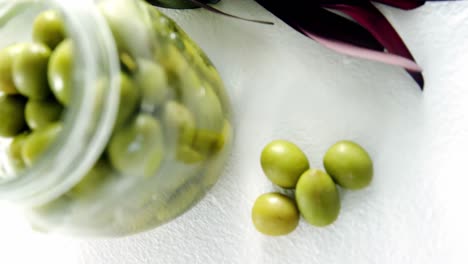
<point>145,127</point>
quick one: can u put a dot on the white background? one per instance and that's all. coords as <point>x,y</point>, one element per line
<point>283,85</point>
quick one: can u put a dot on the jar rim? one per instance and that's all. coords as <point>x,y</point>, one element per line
<point>80,143</point>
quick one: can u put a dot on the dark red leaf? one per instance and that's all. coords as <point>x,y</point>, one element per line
<point>176,4</point>
<point>402,4</point>
<point>373,20</point>
<point>314,19</point>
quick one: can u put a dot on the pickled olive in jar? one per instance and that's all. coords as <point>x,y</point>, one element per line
<point>179,122</point>
<point>180,128</point>
<point>207,110</point>
<point>122,25</point>
<point>48,28</point>
<point>216,83</point>
<point>53,209</point>
<point>7,56</point>
<point>206,141</point>
<point>60,70</point>
<point>42,113</point>
<point>175,65</point>
<point>30,71</point>
<point>188,155</point>
<point>14,151</point>
<point>179,202</point>
<point>12,115</point>
<point>152,80</point>
<point>138,147</point>
<point>213,169</point>
<point>194,55</point>
<point>97,176</point>
<point>38,142</point>
<point>210,119</point>
<point>226,136</point>
<point>129,99</point>
<point>127,63</point>
<point>202,101</point>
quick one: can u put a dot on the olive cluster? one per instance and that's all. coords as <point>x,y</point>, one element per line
<point>316,195</point>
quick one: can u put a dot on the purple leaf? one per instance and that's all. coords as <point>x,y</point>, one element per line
<point>402,4</point>
<point>316,20</point>
<point>341,34</point>
<point>373,20</point>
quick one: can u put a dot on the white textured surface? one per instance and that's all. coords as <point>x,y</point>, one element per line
<point>283,85</point>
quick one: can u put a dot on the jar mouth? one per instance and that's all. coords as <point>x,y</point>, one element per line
<point>85,129</point>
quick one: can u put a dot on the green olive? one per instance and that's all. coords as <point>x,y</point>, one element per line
<point>38,142</point>
<point>217,84</point>
<point>153,83</point>
<point>54,208</point>
<point>214,77</point>
<point>317,198</point>
<point>12,120</point>
<point>193,51</point>
<point>188,155</point>
<point>349,165</point>
<point>116,18</point>
<point>163,25</point>
<point>283,163</point>
<point>208,117</point>
<point>275,214</point>
<point>30,71</point>
<point>129,99</point>
<point>92,180</point>
<point>188,85</point>
<point>206,141</point>
<point>49,29</point>
<point>225,137</point>
<point>14,151</point>
<point>176,40</point>
<point>138,147</point>
<point>7,56</point>
<point>208,111</point>
<point>220,92</point>
<point>42,113</point>
<point>174,62</point>
<point>180,202</point>
<point>127,63</point>
<point>60,71</point>
<point>179,122</point>
<point>204,104</point>
<point>213,170</point>
<point>131,33</point>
